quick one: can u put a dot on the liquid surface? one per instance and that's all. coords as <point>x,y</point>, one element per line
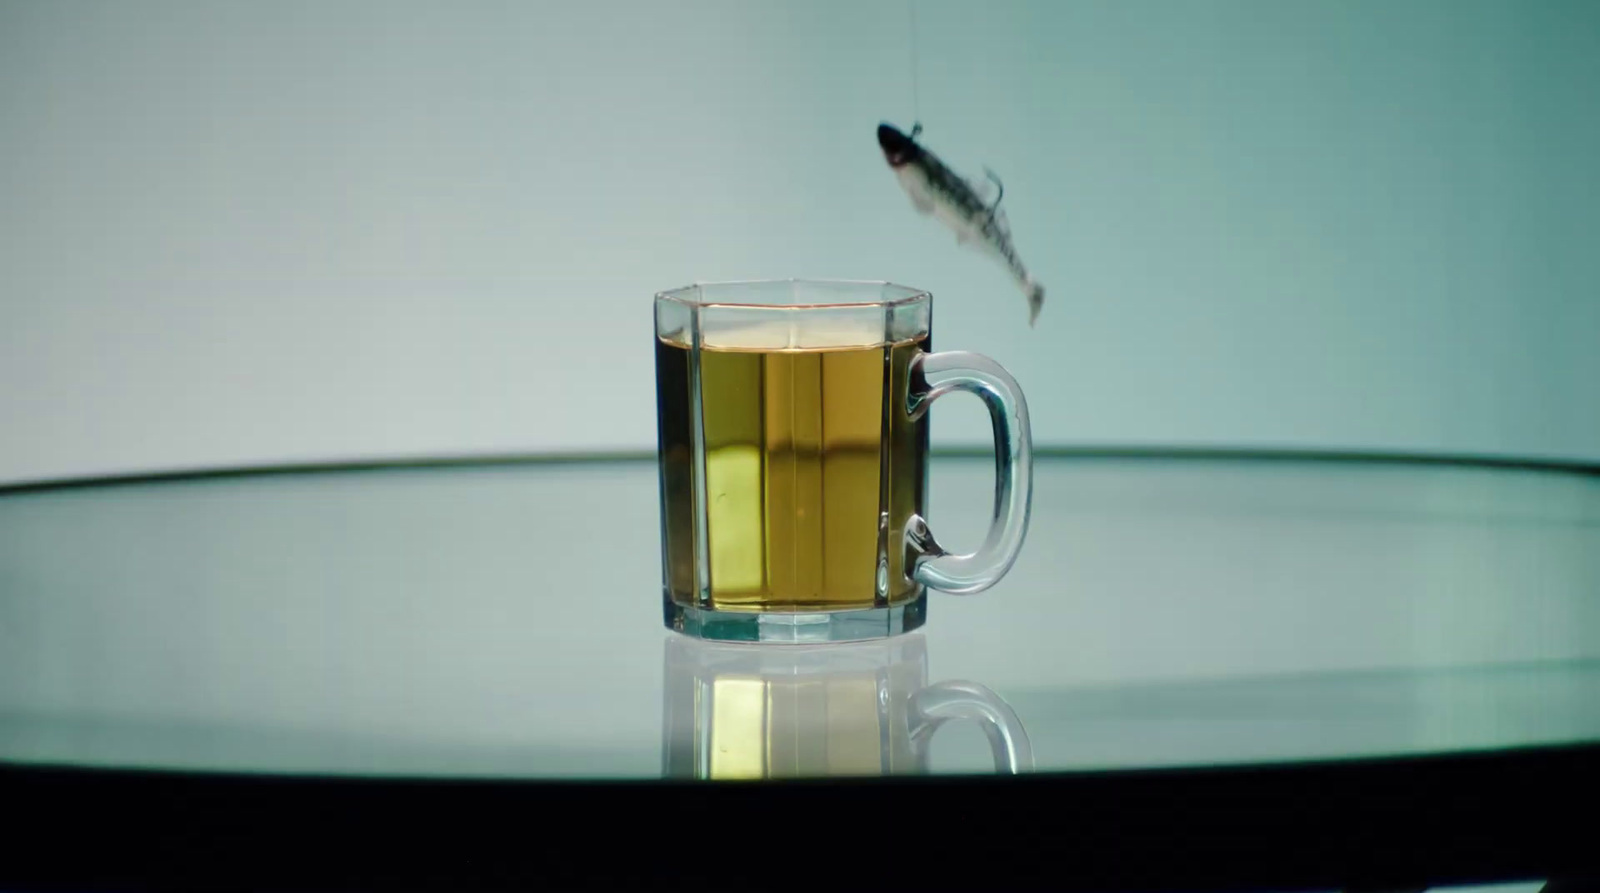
<point>811,470</point>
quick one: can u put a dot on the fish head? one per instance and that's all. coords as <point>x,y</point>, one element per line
<point>898,149</point>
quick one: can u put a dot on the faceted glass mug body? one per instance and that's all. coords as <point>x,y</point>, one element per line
<point>792,446</point>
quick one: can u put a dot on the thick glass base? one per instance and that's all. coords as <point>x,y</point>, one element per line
<point>796,628</point>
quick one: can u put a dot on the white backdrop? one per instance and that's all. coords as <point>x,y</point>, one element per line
<point>238,232</point>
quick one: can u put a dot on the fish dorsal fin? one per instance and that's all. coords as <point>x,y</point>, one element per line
<point>998,221</point>
<point>984,189</point>
<point>989,192</point>
<point>987,188</point>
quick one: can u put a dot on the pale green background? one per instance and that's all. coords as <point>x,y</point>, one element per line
<point>242,232</point>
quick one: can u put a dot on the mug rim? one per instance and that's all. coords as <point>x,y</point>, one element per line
<point>681,294</point>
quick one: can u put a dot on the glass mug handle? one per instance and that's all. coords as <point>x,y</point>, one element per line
<point>932,375</point>
<point>935,705</point>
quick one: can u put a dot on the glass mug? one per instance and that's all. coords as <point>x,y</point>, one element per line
<point>793,454</point>
<point>738,711</point>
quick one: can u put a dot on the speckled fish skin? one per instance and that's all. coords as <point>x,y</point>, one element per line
<point>938,191</point>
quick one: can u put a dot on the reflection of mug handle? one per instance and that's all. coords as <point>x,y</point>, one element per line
<point>935,705</point>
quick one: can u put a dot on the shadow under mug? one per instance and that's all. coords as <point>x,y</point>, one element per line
<point>793,453</point>
<point>742,712</point>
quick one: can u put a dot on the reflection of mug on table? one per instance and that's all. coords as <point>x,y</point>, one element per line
<point>793,443</point>
<point>738,711</point>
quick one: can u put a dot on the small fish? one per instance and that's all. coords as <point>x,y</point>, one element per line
<point>959,204</point>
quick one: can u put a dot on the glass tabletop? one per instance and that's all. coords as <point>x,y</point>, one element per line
<point>504,620</point>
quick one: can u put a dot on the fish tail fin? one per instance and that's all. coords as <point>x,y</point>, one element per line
<point>1035,300</point>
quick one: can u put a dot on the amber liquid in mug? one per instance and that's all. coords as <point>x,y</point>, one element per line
<point>811,470</point>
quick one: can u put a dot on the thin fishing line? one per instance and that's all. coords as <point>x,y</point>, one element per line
<point>916,103</point>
